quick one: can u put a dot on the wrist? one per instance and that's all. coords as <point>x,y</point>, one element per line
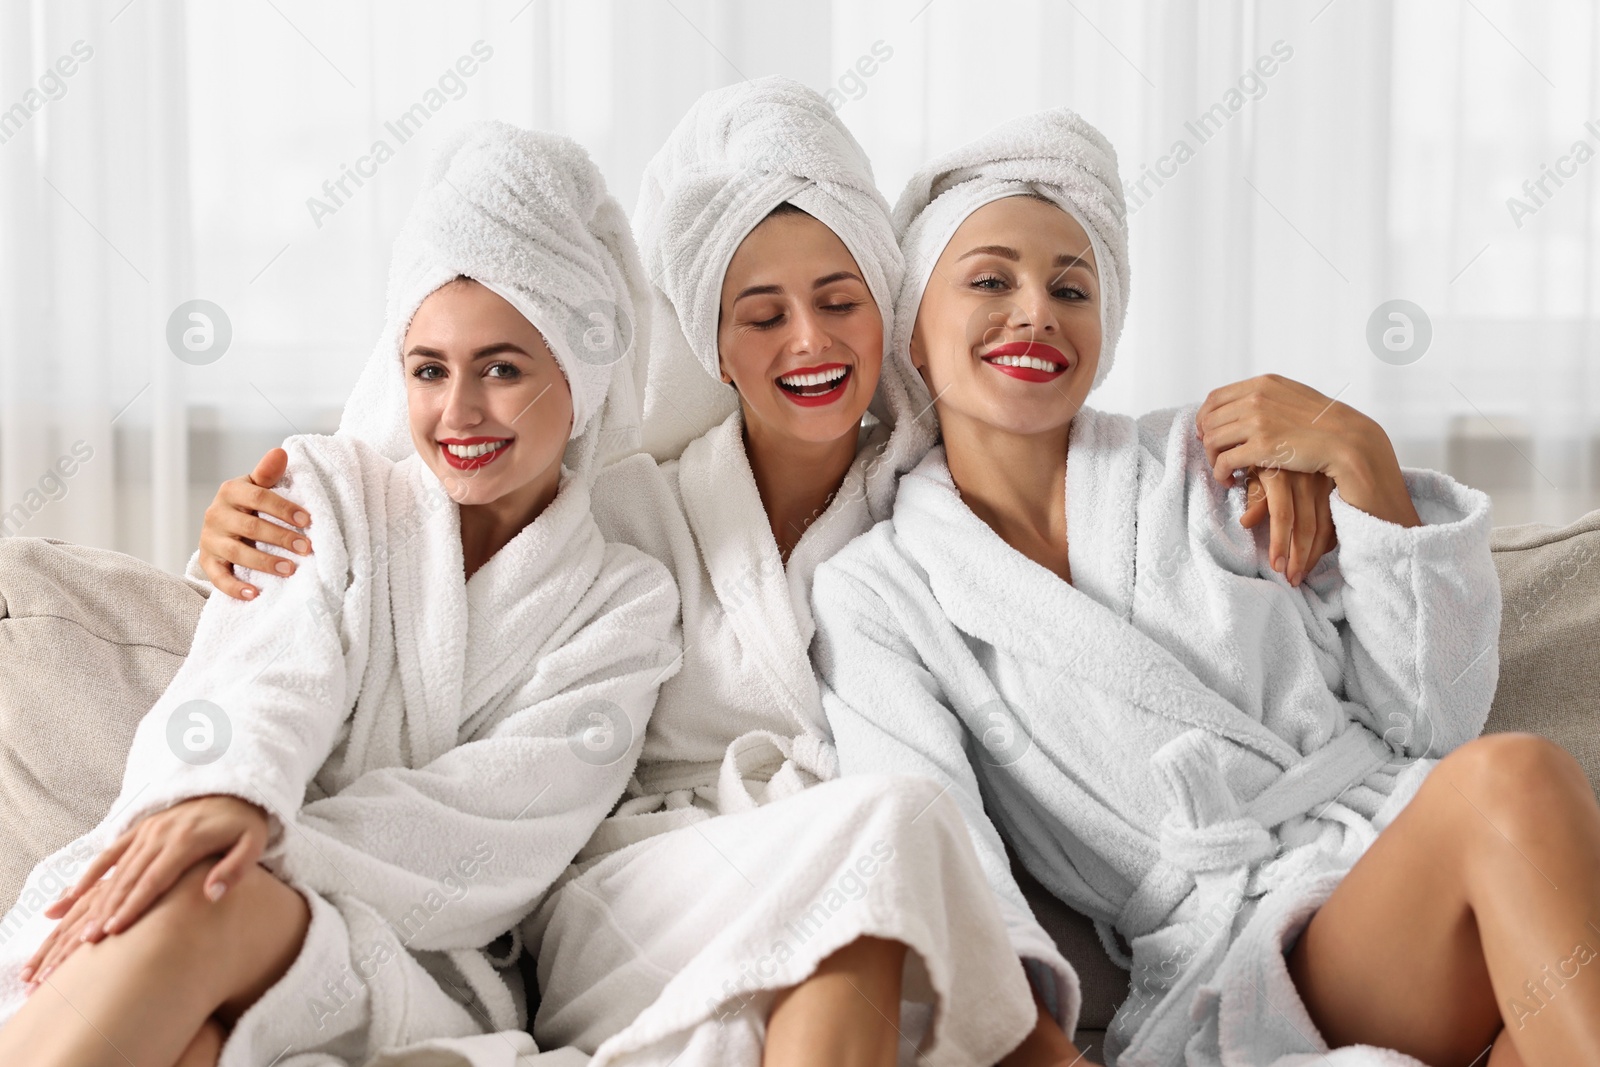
<point>1368,476</point>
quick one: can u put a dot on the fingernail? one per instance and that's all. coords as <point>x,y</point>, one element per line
<point>215,890</point>
<point>46,973</point>
<point>302,546</point>
<point>284,567</point>
<point>1298,575</point>
<point>113,924</point>
<point>89,931</point>
<point>27,972</point>
<point>1277,563</point>
<point>302,519</point>
<point>248,593</point>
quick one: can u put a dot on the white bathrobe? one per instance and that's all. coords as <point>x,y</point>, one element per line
<point>431,751</point>
<point>1179,744</point>
<point>729,873</point>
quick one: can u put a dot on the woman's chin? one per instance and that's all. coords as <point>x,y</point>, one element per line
<point>817,425</point>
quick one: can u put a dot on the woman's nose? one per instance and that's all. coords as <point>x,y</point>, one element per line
<point>1033,309</point>
<point>462,406</point>
<point>810,336</point>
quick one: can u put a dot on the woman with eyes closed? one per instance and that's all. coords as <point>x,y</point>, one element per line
<point>1262,785</point>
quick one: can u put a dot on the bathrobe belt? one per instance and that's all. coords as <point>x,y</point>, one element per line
<point>756,768</point>
<point>1207,830</point>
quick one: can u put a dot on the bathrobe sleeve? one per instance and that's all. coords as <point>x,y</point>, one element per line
<point>257,705</point>
<point>484,830</point>
<point>888,716</point>
<point>1418,613</point>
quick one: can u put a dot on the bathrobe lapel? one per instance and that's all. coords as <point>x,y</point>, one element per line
<point>724,510</point>
<point>424,571</point>
<point>1062,630</point>
<point>768,605</point>
<point>461,645</point>
<point>559,555</point>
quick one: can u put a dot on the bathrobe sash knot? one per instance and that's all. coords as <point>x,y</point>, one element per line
<point>1223,852</point>
<point>761,766</point>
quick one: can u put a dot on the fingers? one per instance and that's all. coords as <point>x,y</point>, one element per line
<point>269,472</point>
<point>115,889</point>
<point>1255,496</point>
<point>230,868</point>
<point>92,874</point>
<point>223,579</point>
<point>160,875</point>
<point>1327,536</point>
<point>1305,528</point>
<point>58,945</point>
<point>266,502</point>
<point>1280,505</point>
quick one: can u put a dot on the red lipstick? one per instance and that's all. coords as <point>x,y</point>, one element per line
<point>1032,349</point>
<point>816,394</point>
<point>472,463</point>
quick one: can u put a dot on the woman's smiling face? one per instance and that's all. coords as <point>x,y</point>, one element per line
<point>800,336</point>
<point>1008,333</point>
<point>490,410</point>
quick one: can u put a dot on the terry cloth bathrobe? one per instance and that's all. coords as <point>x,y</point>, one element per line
<point>431,750</point>
<point>1179,744</point>
<point>729,872</point>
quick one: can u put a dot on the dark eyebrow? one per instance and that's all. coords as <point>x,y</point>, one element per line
<point>483,353</point>
<point>828,279</point>
<point>992,250</point>
<point>1005,252</point>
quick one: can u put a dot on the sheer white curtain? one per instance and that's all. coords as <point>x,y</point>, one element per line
<point>260,156</point>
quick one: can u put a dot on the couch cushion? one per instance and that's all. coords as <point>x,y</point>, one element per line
<point>1550,636</point>
<point>88,640</point>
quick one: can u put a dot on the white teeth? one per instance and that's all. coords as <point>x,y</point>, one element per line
<point>1031,362</point>
<point>473,451</point>
<point>800,381</point>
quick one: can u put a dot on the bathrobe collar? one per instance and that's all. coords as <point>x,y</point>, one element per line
<point>767,604</point>
<point>460,643</point>
<point>1084,630</point>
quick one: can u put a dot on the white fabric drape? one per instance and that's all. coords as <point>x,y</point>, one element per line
<point>1373,163</point>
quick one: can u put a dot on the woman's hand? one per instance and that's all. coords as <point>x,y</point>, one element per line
<point>150,858</point>
<point>233,525</point>
<point>1301,529</point>
<point>1273,422</point>
<point>61,942</point>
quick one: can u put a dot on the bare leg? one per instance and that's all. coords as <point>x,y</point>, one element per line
<point>206,1048</point>
<point>145,994</point>
<point>1469,914</point>
<point>847,1013</point>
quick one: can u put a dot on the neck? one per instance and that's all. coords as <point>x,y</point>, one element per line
<point>796,479</point>
<point>1016,483</point>
<point>487,528</point>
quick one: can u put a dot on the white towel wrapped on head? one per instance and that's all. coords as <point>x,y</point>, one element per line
<point>1053,154</point>
<point>740,152</point>
<point>696,902</point>
<point>526,214</point>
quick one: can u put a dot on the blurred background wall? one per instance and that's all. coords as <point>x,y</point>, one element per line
<point>197,202</point>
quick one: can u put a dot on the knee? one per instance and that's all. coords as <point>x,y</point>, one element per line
<point>1518,781</point>
<point>188,920</point>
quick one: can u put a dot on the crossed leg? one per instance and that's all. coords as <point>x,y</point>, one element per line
<point>1473,920</point>
<point>163,991</point>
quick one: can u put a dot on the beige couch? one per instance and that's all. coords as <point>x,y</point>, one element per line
<point>89,639</point>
